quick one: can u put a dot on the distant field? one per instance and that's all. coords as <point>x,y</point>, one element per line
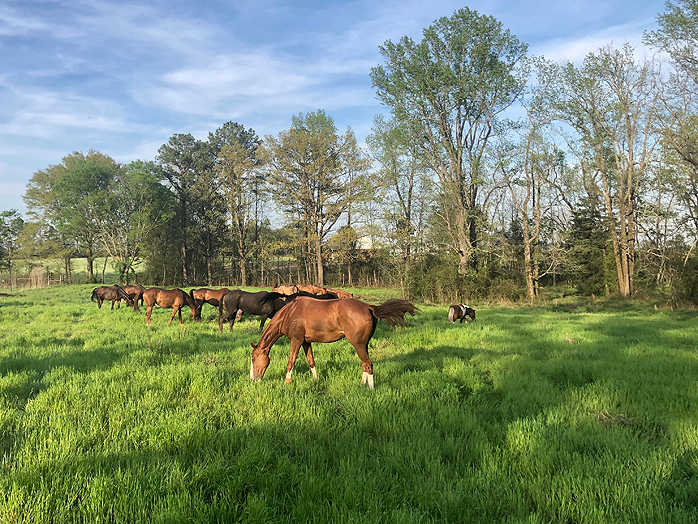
<point>579,412</point>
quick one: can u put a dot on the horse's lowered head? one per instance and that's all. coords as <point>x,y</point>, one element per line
<point>259,362</point>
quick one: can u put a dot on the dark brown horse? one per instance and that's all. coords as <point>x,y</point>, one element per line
<point>135,292</point>
<point>306,320</point>
<point>114,293</point>
<point>261,303</point>
<point>460,311</point>
<point>174,298</point>
<point>205,295</point>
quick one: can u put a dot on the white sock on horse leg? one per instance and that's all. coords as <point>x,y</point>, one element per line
<point>288,375</point>
<point>314,372</point>
<point>370,382</point>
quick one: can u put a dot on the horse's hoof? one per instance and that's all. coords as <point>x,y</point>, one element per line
<point>287,380</point>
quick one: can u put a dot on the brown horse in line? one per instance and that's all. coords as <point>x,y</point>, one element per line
<point>306,320</point>
<point>460,311</point>
<point>174,298</point>
<point>205,295</point>
<point>340,293</point>
<point>135,292</point>
<point>114,293</point>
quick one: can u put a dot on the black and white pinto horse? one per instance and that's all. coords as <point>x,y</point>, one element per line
<point>460,311</point>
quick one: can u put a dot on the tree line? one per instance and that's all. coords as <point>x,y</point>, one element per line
<point>491,173</point>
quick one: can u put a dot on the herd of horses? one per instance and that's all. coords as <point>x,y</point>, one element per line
<point>303,313</point>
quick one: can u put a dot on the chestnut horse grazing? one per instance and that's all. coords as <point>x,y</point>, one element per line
<point>306,320</point>
<point>114,293</point>
<point>174,298</point>
<point>309,288</point>
<point>285,290</point>
<point>205,295</point>
<point>460,311</point>
<point>135,292</point>
<point>340,293</point>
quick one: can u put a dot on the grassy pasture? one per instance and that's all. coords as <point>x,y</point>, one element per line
<point>584,413</point>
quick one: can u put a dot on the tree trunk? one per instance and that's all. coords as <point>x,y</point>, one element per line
<point>318,259</point>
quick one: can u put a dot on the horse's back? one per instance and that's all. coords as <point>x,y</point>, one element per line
<point>328,320</point>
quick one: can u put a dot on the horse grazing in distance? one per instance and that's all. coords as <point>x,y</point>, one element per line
<point>135,292</point>
<point>114,293</point>
<point>261,303</point>
<point>340,293</point>
<point>174,298</point>
<point>309,288</point>
<point>205,295</point>
<point>460,311</point>
<point>285,290</point>
<point>306,320</point>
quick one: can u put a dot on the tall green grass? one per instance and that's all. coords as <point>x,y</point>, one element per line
<point>584,413</point>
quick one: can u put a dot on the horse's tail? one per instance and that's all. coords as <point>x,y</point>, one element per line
<point>94,297</point>
<point>451,314</point>
<point>393,311</point>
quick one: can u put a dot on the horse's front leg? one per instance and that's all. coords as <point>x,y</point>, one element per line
<point>309,357</point>
<point>179,312</point>
<point>112,305</point>
<point>261,325</point>
<point>292,355</point>
<point>174,312</point>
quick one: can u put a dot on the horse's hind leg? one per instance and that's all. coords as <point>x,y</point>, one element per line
<point>366,364</point>
<point>309,357</point>
<point>148,311</point>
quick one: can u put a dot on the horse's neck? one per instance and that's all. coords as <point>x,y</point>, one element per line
<point>271,334</point>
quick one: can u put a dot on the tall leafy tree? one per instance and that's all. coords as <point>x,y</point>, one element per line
<point>611,103</point>
<point>137,204</point>
<point>183,161</point>
<point>404,179</point>
<point>238,183</point>
<point>315,175</point>
<point>11,225</point>
<point>451,90</point>
<point>69,196</point>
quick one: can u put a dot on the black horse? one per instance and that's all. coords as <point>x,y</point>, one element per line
<point>252,303</point>
<point>261,303</point>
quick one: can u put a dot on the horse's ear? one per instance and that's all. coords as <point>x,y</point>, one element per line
<point>253,346</point>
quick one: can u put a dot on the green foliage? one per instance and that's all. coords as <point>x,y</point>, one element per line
<point>11,225</point>
<point>581,412</point>
<point>586,248</point>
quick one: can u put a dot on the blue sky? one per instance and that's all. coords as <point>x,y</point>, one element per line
<point>121,77</point>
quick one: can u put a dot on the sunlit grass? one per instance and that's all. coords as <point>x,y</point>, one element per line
<point>575,412</point>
